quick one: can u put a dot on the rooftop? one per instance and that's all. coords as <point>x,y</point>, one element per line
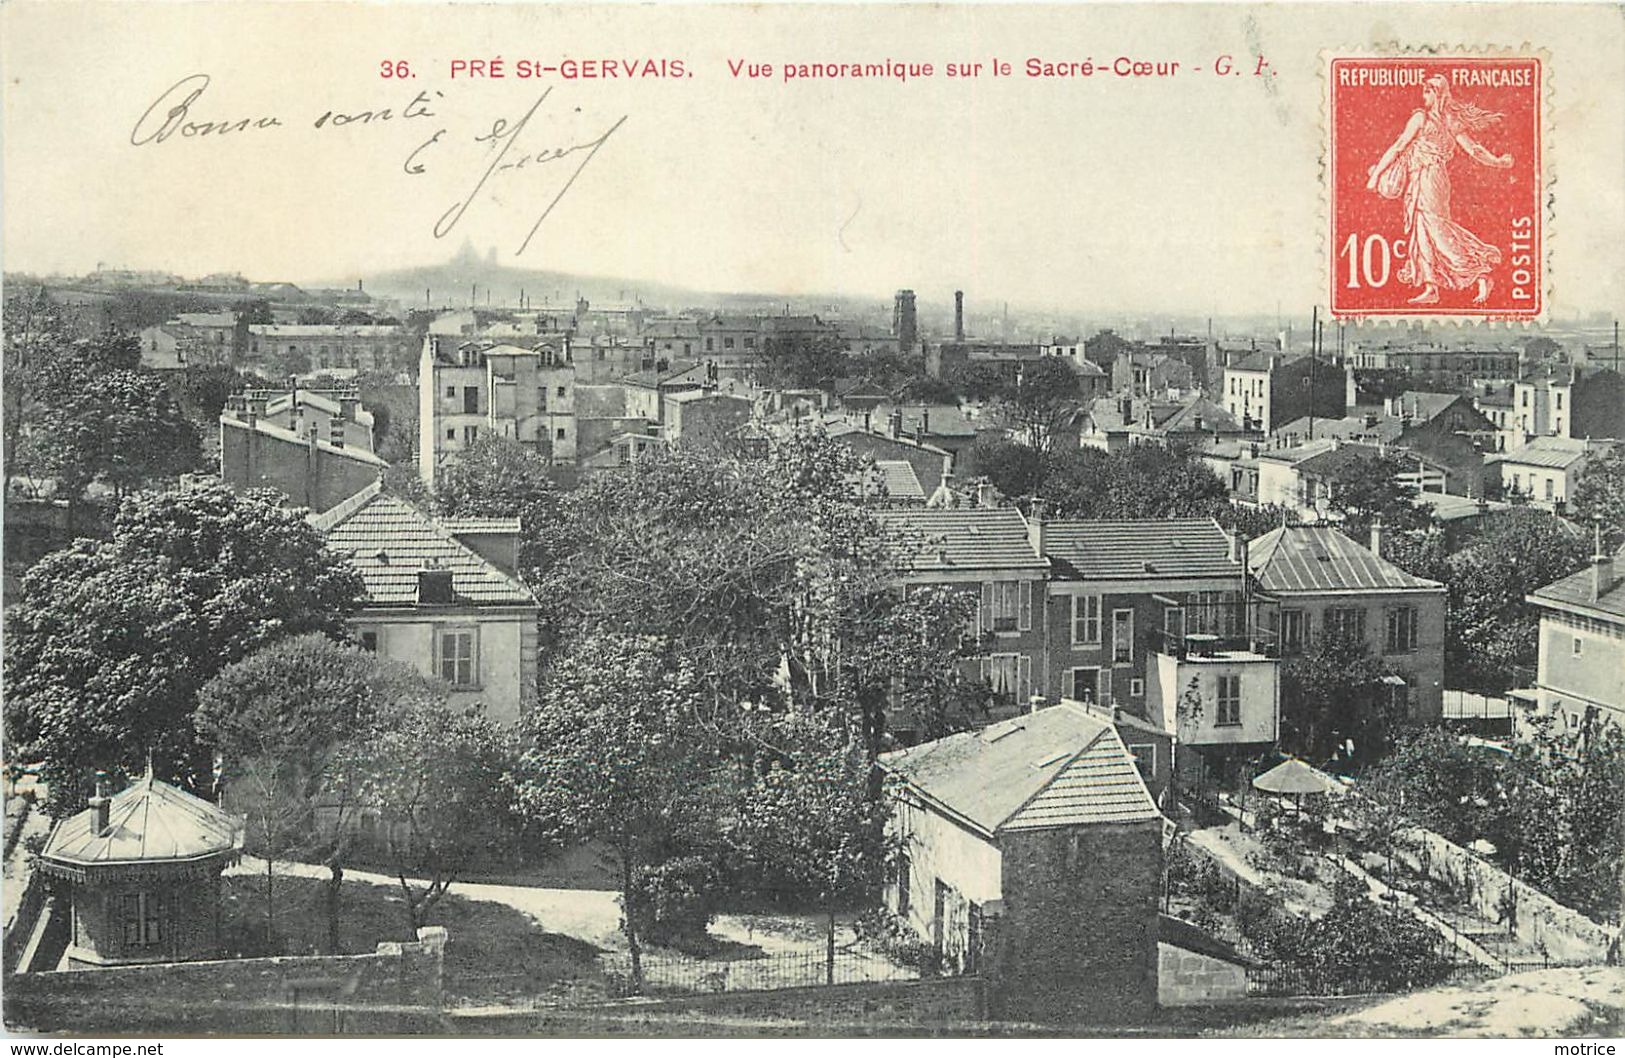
<point>1553,452</point>
<point>388,541</point>
<point>1176,548</point>
<point>900,480</point>
<point>1575,590</point>
<point>148,822</point>
<point>1056,767</point>
<point>1319,558</point>
<point>975,538</point>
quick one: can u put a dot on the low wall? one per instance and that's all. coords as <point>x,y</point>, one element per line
<point>397,989</point>
<point>1563,933</point>
<point>1188,978</point>
<point>890,1007</point>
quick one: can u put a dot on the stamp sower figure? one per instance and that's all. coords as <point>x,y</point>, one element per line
<point>1442,252</point>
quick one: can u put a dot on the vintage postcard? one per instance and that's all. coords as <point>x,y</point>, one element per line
<point>553,520</point>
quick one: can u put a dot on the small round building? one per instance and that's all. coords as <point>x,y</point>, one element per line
<point>139,873</point>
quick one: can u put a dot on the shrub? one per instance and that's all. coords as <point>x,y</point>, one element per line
<point>675,902</point>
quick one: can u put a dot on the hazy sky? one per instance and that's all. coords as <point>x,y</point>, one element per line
<point>1195,193</point>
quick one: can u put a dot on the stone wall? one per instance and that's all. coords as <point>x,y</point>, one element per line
<point>1077,941</point>
<point>1188,978</point>
<point>1564,934</point>
<point>397,989</point>
<point>929,1005</point>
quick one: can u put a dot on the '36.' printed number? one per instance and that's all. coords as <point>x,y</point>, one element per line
<point>396,69</point>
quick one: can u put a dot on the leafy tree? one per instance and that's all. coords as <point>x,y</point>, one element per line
<point>1599,497</point>
<point>618,750</point>
<point>109,642</point>
<point>1419,552</point>
<point>1042,402</point>
<point>1143,481</point>
<point>497,477</point>
<point>1492,634</point>
<point>1368,488</point>
<point>253,311</point>
<point>923,389</point>
<point>806,827</point>
<point>1331,695</point>
<point>1015,469</point>
<point>208,387</point>
<point>436,777</point>
<point>35,339</point>
<point>281,720</point>
<point>976,381</point>
<point>1254,522</point>
<point>122,429</point>
<point>803,362</point>
<point>316,316</point>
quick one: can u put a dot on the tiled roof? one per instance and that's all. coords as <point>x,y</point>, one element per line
<point>1553,452</point>
<point>1424,406</point>
<point>1575,590</point>
<point>148,821</point>
<point>1319,558</point>
<point>1213,418</point>
<point>462,526</point>
<point>1057,767</point>
<point>1335,460</point>
<point>1139,550</point>
<point>1351,427</point>
<point>976,538</point>
<point>387,541</point>
<point>901,481</point>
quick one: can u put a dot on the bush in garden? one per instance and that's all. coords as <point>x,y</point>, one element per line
<point>675,902</point>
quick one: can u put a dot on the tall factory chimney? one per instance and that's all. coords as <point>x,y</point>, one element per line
<point>959,315</point>
<point>903,323</point>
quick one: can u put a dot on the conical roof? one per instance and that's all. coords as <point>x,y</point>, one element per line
<point>148,822</point>
<point>1293,776</point>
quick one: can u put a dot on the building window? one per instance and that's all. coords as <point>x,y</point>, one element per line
<point>1136,688</point>
<point>1010,675</point>
<point>1294,631</point>
<point>541,398</point>
<point>1007,605</point>
<point>1402,630</point>
<point>471,400</point>
<point>1122,637</point>
<point>451,433</point>
<point>1578,647</point>
<point>458,658</point>
<point>470,434</point>
<point>1548,489</point>
<point>368,639</point>
<point>710,345</point>
<point>750,343</point>
<point>727,343</point>
<point>1086,620</point>
<point>1346,623</point>
<point>1085,684</point>
<point>904,885</point>
<point>1145,757</point>
<point>142,915</point>
<point>559,434</point>
<point>559,392</point>
<point>1229,710</point>
<point>1559,397</point>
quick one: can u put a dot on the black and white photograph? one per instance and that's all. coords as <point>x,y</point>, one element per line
<point>532,521</point>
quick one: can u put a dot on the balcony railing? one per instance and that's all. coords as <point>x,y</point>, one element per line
<point>1253,639</point>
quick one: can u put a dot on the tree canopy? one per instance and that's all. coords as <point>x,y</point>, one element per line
<point>109,642</point>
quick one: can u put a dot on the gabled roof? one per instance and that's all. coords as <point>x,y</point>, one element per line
<point>1350,427</point>
<point>271,429</point>
<point>1212,415</point>
<point>1319,558</point>
<point>388,541</point>
<point>1335,460</point>
<point>1144,549</point>
<point>1424,406</point>
<point>901,481</point>
<point>1575,590</point>
<point>950,540</point>
<point>149,821</point>
<point>1056,767</point>
<point>1259,361</point>
<point>946,420</point>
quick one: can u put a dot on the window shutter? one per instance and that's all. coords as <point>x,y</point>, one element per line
<point>1026,624</point>
<point>1105,686</point>
<point>1024,678</point>
<point>987,606</point>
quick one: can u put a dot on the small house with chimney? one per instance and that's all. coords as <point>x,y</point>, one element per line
<point>1582,645</point>
<point>441,596</point>
<point>137,874</point>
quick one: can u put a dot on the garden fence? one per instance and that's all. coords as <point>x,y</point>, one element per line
<point>664,973</point>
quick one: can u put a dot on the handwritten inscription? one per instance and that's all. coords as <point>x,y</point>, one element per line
<point>179,112</point>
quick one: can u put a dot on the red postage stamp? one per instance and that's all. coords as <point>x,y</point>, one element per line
<point>1436,182</point>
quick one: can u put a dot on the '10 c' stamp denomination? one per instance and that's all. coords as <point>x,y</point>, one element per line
<point>1436,172</point>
